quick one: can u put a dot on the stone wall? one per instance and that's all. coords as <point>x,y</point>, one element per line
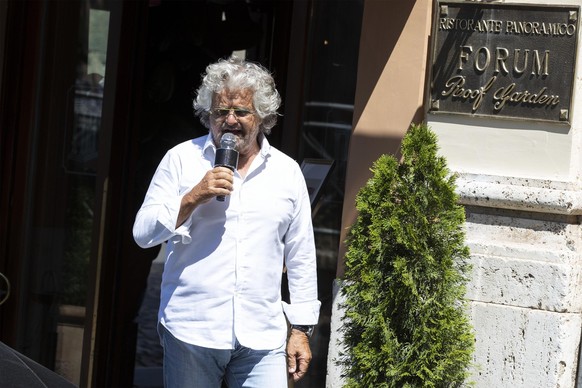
<point>526,287</point>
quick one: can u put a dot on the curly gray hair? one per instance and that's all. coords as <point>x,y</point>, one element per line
<point>235,73</point>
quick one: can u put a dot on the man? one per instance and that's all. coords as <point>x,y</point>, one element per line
<point>221,315</point>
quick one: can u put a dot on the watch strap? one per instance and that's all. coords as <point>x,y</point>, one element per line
<point>307,329</point>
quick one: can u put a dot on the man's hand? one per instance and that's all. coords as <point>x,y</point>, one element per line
<point>298,354</point>
<point>218,181</point>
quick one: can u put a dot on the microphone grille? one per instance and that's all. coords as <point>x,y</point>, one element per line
<point>228,141</point>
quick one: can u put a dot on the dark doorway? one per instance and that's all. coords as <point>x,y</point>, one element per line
<point>93,94</point>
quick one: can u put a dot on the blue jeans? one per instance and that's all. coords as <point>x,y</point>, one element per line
<point>191,366</point>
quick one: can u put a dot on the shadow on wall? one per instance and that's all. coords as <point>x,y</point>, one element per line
<point>377,56</point>
<point>390,89</point>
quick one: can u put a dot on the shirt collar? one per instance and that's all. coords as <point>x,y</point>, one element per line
<point>265,146</point>
<point>209,145</point>
<point>264,151</point>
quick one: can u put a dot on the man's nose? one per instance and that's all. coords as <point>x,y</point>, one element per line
<point>231,118</point>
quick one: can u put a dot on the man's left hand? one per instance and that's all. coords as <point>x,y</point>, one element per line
<point>298,354</point>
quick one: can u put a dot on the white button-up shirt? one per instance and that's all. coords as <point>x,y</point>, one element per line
<point>222,276</point>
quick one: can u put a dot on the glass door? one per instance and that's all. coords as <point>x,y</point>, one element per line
<point>54,181</point>
<point>330,71</point>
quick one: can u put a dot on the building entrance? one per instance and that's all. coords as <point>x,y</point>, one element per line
<point>53,147</point>
<point>93,94</point>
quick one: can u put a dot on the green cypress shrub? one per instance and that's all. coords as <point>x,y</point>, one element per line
<point>406,322</point>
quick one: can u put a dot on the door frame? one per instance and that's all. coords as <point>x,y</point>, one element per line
<point>110,332</point>
<point>20,42</point>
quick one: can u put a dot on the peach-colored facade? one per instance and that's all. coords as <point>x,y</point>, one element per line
<point>392,72</point>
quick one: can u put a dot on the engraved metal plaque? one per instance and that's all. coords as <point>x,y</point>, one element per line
<point>503,60</point>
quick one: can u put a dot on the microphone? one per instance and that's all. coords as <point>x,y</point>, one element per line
<point>226,155</point>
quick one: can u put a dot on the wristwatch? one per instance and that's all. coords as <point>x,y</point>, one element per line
<point>307,329</point>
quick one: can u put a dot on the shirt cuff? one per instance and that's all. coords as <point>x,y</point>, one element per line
<point>184,232</point>
<point>172,210</point>
<point>302,313</point>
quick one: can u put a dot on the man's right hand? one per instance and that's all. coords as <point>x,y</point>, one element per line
<point>218,181</point>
